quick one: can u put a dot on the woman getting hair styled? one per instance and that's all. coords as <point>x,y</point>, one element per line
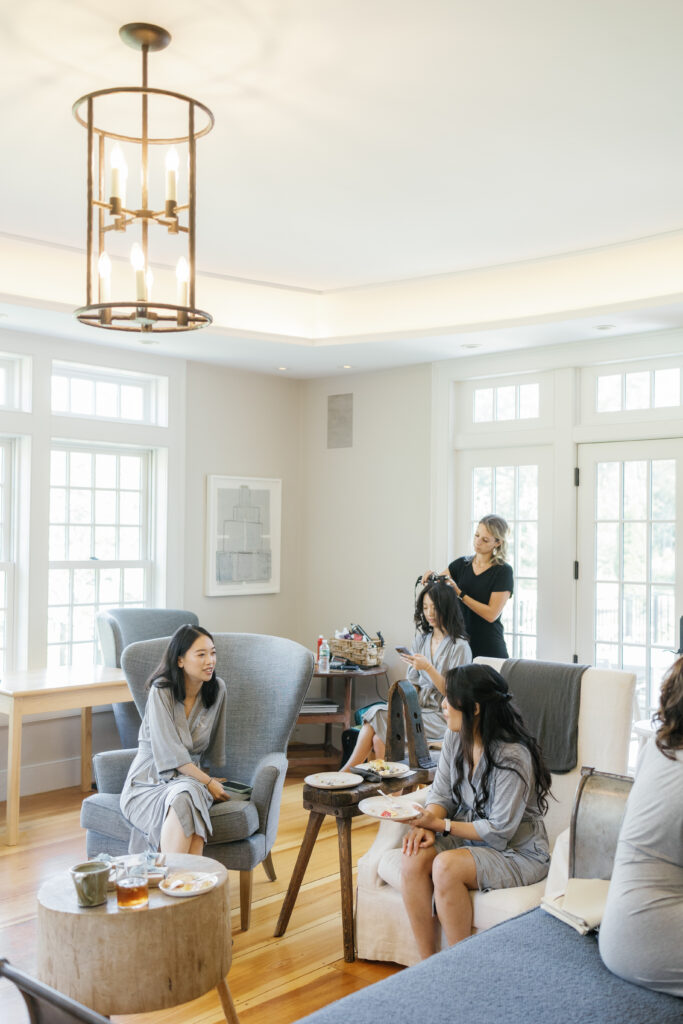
<point>483,826</point>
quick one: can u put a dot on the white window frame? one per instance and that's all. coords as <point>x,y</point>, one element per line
<point>17,382</point>
<point>465,423</point>
<point>147,563</point>
<point>589,391</point>
<point>154,390</point>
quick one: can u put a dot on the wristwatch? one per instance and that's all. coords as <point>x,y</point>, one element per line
<point>447,826</point>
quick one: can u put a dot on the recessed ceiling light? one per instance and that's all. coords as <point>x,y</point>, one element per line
<point>604,327</point>
<point>3,316</point>
<point>282,368</point>
<point>471,344</point>
<point>346,366</point>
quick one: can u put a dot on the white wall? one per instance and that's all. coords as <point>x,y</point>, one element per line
<point>366,509</point>
<point>243,424</point>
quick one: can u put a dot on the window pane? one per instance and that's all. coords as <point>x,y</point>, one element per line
<point>82,397</point>
<point>528,401</point>
<point>80,506</point>
<point>105,470</point>
<point>79,543</point>
<point>57,543</point>
<point>57,656</point>
<point>607,490</point>
<point>105,508</point>
<point>607,656</point>
<point>129,514</point>
<point>667,387</point>
<point>110,584</point>
<point>60,394</point>
<point>505,492</point>
<point>664,489</point>
<point>130,472</point>
<point>609,393</point>
<point>635,551</point>
<point>483,405</point>
<point>607,612</point>
<point>663,618</point>
<point>635,490</point>
<point>663,552</point>
<point>134,585</point>
<point>84,586</point>
<point>57,625</point>
<point>526,602</point>
<point>80,469</point>
<point>129,543</point>
<point>105,543</point>
<point>527,481</point>
<point>505,403</point>
<point>58,469</point>
<point>83,623</point>
<point>57,505</point>
<point>58,586</point>
<point>482,491</point>
<point>106,399</point>
<point>635,614</point>
<point>638,390</point>
<point>131,402</point>
<point>635,660</point>
<point>527,551</point>
<point>607,551</point>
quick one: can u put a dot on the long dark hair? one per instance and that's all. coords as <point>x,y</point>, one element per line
<point>169,675</point>
<point>669,737</point>
<point>499,721</point>
<point>447,608</point>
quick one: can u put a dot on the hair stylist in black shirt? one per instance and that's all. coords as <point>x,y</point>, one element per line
<point>484,583</point>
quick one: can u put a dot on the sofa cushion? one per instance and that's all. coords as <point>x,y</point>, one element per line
<point>102,813</point>
<point>490,907</point>
<point>233,820</point>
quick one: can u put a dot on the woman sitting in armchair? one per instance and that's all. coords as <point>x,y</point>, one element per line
<point>483,827</point>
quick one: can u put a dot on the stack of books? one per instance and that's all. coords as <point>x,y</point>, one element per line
<point>319,706</point>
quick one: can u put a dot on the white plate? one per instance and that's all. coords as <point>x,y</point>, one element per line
<point>333,780</point>
<point>393,770</point>
<point>378,806</point>
<point>194,883</point>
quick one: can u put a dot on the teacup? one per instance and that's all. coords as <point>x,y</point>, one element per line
<point>90,880</point>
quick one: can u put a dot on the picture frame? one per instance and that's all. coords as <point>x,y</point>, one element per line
<point>243,524</point>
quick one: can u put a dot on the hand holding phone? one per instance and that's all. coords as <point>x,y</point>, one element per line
<point>405,651</point>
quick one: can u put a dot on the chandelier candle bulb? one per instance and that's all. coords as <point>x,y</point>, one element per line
<point>172,164</point>
<point>182,273</point>
<point>137,260</point>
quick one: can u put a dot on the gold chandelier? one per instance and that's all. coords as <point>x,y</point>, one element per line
<point>113,208</point>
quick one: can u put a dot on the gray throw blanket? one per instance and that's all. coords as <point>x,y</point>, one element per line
<point>548,694</point>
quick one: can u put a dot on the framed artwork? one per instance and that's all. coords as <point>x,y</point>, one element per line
<point>242,535</point>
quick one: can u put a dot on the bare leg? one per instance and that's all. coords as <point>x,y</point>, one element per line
<point>362,748</point>
<point>174,840</point>
<point>379,747</point>
<point>417,890</point>
<point>196,845</point>
<point>454,873</point>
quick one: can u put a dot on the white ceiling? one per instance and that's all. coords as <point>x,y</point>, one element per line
<point>360,143</point>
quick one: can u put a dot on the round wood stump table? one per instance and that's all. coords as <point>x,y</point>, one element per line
<point>135,961</point>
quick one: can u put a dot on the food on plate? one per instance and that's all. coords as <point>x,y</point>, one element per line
<point>378,765</point>
<point>188,882</point>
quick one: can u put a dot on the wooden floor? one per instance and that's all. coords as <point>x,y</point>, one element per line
<point>273,981</point>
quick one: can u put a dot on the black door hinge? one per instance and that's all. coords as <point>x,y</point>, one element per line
<point>576,476</point>
<point>576,570</point>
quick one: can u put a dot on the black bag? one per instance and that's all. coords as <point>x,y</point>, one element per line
<point>348,741</point>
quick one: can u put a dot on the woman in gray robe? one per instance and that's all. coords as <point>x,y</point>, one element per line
<point>440,644</point>
<point>483,826</point>
<point>168,792</point>
<point>641,930</point>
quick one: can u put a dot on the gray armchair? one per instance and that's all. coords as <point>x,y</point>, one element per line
<point>119,627</point>
<point>267,678</point>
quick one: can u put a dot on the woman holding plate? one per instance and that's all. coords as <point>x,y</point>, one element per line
<point>483,826</point>
<point>440,644</point>
<point>169,792</point>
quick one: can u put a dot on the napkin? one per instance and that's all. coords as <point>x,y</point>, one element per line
<point>581,905</point>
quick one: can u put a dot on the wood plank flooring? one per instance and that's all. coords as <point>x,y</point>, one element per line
<point>273,981</point>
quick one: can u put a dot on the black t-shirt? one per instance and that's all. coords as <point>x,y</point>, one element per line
<point>486,638</point>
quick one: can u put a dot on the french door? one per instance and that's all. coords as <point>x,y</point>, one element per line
<point>515,483</point>
<point>630,590</point>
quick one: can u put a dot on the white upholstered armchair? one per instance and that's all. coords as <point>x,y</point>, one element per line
<point>604,726</point>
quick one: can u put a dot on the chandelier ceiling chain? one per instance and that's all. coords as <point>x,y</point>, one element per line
<point>109,208</point>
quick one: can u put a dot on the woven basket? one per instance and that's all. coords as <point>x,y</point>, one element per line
<point>368,653</point>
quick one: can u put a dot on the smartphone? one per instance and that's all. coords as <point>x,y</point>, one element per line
<point>237,789</point>
<point>404,650</point>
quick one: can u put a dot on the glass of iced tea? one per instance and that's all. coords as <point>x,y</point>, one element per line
<point>132,890</point>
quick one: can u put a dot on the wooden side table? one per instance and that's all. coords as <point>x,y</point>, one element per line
<point>311,756</point>
<point>343,804</point>
<point>134,961</point>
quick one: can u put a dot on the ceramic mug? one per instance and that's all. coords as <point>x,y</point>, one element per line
<point>90,881</point>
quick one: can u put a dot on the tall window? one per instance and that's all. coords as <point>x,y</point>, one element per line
<point>100,551</point>
<point>512,492</point>
<point>6,565</point>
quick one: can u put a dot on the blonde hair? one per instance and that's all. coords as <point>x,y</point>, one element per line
<point>498,528</point>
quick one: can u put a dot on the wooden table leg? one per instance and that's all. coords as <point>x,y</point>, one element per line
<point>315,820</point>
<point>86,750</point>
<point>13,774</point>
<point>229,1011</point>
<point>346,880</point>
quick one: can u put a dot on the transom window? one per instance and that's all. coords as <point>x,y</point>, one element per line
<point>10,381</point>
<point>638,389</point>
<point>107,394</point>
<point>99,546</point>
<point>506,402</point>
